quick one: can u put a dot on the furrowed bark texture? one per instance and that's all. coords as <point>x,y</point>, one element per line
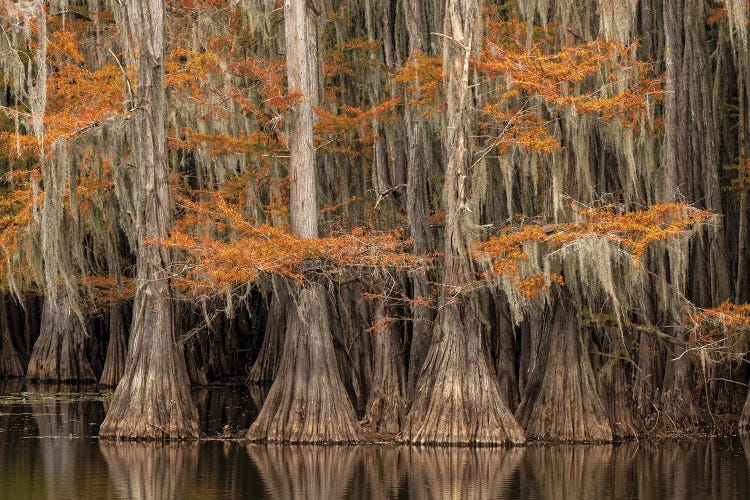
<point>457,399</point>
<point>561,401</point>
<point>152,400</point>
<point>267,363</point>
<point>117,347</point>
<point>386,404</point>
<point>418,161</point>
<point>10,361</point>
<point>307,402</point>
<point>58,354</point>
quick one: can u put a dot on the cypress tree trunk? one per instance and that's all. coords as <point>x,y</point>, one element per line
<point>267,363</point>
<point>350,316</point>
<point>59,354</point>
<point>152,400</point>
<point>10,361</point>
<point>506,351</point>
<point>386,404</point>
<point>307,402</point>
<point>561,402</point>
<point>117,347</point>
<point>417,208</point>
<point>457,400</point>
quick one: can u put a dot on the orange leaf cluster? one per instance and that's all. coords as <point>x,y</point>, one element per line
<point>521,73</point>
<point>224,248</point>
<point>633,231</point>
<point>16,202</point>
<point>720,321</point>
<point>101,292</point>
<point>423,77</point>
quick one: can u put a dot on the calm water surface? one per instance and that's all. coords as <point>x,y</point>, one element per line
<point>48,451</point>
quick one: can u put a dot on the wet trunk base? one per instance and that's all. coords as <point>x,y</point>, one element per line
<point>10,362</point>
<point>307,402</point>
<point>457,399</point>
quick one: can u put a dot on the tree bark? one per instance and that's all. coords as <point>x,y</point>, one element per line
<point>59,354</point>
<point>117,347</point>
<point>417,207</point>
<point>266,364</point>
<point>386,404</point>
<point>152,400</point>
<point>10,361</point>
<point>350,316</point>
<point>503,335</point>
<point>307,402</point>
<point>561,401</point>
<point>458,398</point>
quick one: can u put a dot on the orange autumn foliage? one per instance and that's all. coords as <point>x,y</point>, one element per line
<point>720,332</point>
<point>524,73</point>
<point>631,231</point>
<point>223,248</point>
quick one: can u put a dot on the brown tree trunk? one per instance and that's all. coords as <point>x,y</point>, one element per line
<point>117,347</point>
<point>417,208</point>
<point>349,316</point>
<point>10,361</point>
<point>59,354</point>
<point>614,387</point>
<point>690,150</point>
<point>267,363</point>
<point>307,402</point>
<point>457,400</point>
<point>560,400</point>
<point>505,348</point>
<point>386,404</point>
<point>679,399</point>
<point>152,400</point>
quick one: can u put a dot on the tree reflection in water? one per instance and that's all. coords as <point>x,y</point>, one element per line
<point>63,422</point>
<point>66,461</point>
<point>292,472</point>
<point>458,473</point>
<point>145,471</point>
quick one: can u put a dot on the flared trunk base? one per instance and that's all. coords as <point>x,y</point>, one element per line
<point>307,402</point>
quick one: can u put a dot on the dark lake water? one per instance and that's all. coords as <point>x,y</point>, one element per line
<point>48,451</point>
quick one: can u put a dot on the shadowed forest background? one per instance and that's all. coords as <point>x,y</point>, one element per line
<point>444,221</point>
